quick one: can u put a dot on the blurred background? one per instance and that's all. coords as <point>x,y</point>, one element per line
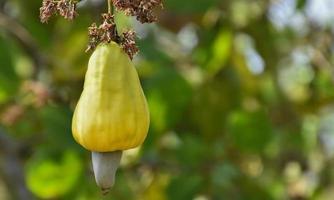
<point>241,95</point>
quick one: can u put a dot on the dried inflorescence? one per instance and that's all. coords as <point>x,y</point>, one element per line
<point>49,7</point>
<point>108,27</point>
<point>141,9</point>
<point>128,43</point>
<point>107,32</point>
<point>65,8</point>
<point>94,37</point>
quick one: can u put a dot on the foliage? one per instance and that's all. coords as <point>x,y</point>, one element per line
<point>240,94</point>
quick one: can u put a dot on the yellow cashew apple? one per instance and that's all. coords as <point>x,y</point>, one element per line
<point>112,112</point>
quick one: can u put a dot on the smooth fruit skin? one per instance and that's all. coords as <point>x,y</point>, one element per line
<point>112,112</point>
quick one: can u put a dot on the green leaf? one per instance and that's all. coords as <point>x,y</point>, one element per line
<point>185,186</point>
<point>221,50</point>
<point>8,78</point>
<point>249,131</point>
<point>190,6</point>
<point>49,178</point>
<point>56,122</point>
<point>168,95</point>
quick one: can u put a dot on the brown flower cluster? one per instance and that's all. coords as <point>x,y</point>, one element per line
<point>141,9</point>
<point>65,8</point>
<point>128,43</point>
<point>107,32</point>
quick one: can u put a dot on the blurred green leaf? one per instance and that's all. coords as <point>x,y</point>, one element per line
<point>184,187</point>
<point>48,178</point>
<point>8,78</point>
<point>213,101</point>
<point>193,151</point>
<point>190,6</point>
<point>57,127</point>
<point>249,131</point>
<point>221,49</point>
<point>168,95</point>
<point>223,175</point>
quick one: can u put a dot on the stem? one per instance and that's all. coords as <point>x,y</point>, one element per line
<point>110,7</point>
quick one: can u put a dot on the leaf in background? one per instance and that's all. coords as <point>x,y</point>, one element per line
<point>252,190</point>
<point>213,101</point>
<point>56,122</point>
<point>190,6</point>
<point>70,59</point>
<point>220,50</point>
<point>192,152</point>
<point>152,52</point>
<point>156,190</point>
<point>48,178</point>
<point>8,78</point>
<point>323,85</point>
<point>249,131</point>
<point>223,174</point>
<point>185,186</point>
<point>123,188</point>
<point>168,95</point>
<point>122,21</point>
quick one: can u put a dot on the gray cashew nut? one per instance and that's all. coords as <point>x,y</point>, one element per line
<point>105,165</point>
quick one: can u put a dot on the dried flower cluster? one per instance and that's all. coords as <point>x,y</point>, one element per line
<point>128,43</point>
<point>141,9</point>
<point>107,32</point>
<point>65,8</point>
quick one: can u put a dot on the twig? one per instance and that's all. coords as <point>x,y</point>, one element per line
<point>110,9</point>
